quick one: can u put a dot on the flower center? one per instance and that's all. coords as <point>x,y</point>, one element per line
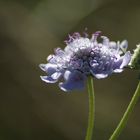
<point>91,59</point>
<point>81,60</point>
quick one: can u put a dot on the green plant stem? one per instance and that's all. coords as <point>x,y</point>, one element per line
<point>126,115</point>
<point>91,108</point>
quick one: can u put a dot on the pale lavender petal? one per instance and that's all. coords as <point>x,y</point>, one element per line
<point>50,57</point>
<point>48,79</point>
<point>124,45</point>
<point>100,76</point>
<point>105,40</point>
<point>117,64</point>
<point>126,59</point>
<point>95,35</point>
<point>118,70</point>
<point>75,80</point>
<point>59,51</point>
<point>113,45</point>
<point>49,68</point>
<point>42,66</point>
<point>56,75</point>
<point>123,61</point>
<point>67,75</point>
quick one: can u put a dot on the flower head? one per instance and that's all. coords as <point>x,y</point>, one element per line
<point>83,57</point>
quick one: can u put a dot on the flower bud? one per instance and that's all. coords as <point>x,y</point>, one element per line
<point>135,59</point>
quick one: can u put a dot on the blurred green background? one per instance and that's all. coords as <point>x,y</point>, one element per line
<point>29,31</point>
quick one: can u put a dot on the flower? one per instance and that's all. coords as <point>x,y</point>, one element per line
<point>135,60</point>
<point>83,57</point>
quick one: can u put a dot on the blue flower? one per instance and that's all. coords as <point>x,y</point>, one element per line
<point>83,57</point>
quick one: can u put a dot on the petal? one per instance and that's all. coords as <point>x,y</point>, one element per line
<point>48,79</point>
<point>124,45</point>
<point>117,64</point>
<point>95,36</point>
<point>74,80</point>
<point>42,66</point>
<point>67,75</point>
<point>118,70</point>
<point>100,76</point>
<point>53,78</point>
<point>50,57</point>
<point>59,51</point>
<point>49,68</point>
<point>105,40</point>
<point>126,59</point>
<point>123,61</point>
<point>56,75</point>
<point>113,45</point>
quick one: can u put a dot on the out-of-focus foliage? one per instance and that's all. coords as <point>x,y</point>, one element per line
<point>29,31</point>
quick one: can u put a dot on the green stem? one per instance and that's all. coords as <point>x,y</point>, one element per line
<point>91,108</point>
<point>126,115</point>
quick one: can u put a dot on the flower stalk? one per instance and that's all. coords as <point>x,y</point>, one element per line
<point>91,108</point>
<point>126,115</point>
